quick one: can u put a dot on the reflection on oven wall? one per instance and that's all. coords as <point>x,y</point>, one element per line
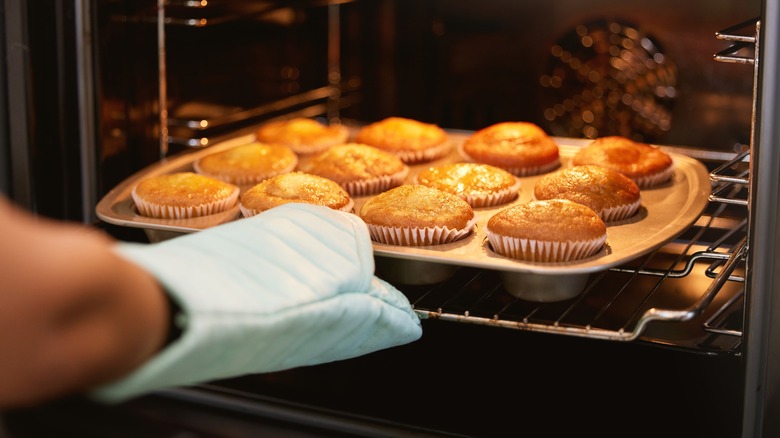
<point>458,63</point>
<point>467,64</point>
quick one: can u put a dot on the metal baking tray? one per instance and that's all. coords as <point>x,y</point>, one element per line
<point>665,212</point>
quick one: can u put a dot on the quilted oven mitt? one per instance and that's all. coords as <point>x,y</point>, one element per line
<point>291,287</point>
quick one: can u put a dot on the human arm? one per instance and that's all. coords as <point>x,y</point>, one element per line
<point>73,314</point>
<point>291,287</point>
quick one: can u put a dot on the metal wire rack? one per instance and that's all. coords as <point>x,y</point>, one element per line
<point>622,303</point>
<point>201,124</point>
<point>743,50</point>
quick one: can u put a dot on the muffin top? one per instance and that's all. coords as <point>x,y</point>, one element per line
<point>550,220</point>
<point>295,187</point>
<point>511,145</point>
<point>354,162</point>
<point>302,135</point>
<point>413,206</point>
<point>396,134</point>
<point>467,178</point>
<point>633,159</point>
<point>183,189</point>
<point>593,186</point>
<point>249,163</point>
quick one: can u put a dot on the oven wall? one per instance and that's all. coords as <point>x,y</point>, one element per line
<point>457,63</point>
<point>466,64</point>
<point>41,136</point>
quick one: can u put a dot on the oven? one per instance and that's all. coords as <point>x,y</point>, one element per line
<point>680,341</point>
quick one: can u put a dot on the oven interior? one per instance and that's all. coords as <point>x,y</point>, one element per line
<point>608,68</point>
<point>650,347</point>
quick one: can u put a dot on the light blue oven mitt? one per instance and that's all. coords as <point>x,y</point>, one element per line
<point>291,287</point>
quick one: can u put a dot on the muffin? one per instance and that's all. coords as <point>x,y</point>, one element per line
<point>520,148</point>
<point>413,141</point>
<point>183,195</point>
<point>557,230</point>
<point>647,165</point>
<point>612,195</point>
<point>361,169</point>
<point>248,164</point>
<point>416,215</point>
<point>304,136</point>
<point>481,185</point>
<point>294,187</point>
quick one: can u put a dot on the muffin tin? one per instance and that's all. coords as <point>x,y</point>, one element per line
<point>666,211</point>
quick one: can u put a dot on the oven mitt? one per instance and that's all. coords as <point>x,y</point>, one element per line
<point>291,287</point>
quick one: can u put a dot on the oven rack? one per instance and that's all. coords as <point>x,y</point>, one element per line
<point>745,45</point>
<point>195,131</point>
<point>192,13</point>
<point>729,176</point>
<point>623,303</point>
<point>744,38</point>
<point>202,13</point>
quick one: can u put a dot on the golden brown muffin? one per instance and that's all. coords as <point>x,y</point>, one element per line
<point>413,141</point>
<point>294,187</point>
<point>481,185</point>
<point>612,195</point>
<point>361,169</point>
<point>304,136</point>
<point>248,164</point>
<point>647,165</point>
<point>521,148</point>
<point>183,195</point>
<point>557,230</point>
<point>415,215</point>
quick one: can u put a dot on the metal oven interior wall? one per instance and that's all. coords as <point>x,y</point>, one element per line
<point>762,348</point>
<point>456,63</point>
<point>465,65</point>
<point>460,64</point>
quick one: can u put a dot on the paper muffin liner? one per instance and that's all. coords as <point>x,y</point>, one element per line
<point>544,251</point>
<point>493,199</point>
<point>534,170</point>
<point>309,149</point>
<point>151,209</point>
<point>245,180</point>
<point>249,212</point>
<point>418,236</point>
<point>620,212</point>
<point>424,155</point>
<point>376,185</point>
<point>648,181</point>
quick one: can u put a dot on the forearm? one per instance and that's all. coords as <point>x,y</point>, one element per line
<point>72,313</point>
